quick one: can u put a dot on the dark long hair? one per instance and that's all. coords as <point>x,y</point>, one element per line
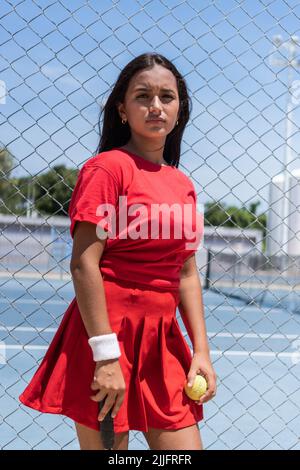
<point>115,134</point>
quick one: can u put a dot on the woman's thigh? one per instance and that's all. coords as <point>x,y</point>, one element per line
<point>187,438</point>
<point>89,439</point>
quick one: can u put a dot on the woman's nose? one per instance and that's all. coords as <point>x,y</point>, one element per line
<point>155,103</point>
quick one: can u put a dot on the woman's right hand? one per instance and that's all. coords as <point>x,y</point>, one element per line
<point>109,380</point>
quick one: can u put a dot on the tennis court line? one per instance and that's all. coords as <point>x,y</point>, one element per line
<point>210,334</point>
<point>28,329</point>
<point>216,308</point>
<point>33,301</point>
<point>254,353</point>
<point>264,284</point>
<point>253,335</point>
<point>34,275</point>
<point>216,352</point>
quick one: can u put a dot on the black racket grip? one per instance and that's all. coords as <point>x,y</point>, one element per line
<point>107,429</point>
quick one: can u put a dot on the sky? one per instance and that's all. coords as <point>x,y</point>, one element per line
<point>60,59</point>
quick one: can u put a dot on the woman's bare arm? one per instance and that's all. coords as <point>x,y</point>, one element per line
<point>87,279</point>
<point>192,313</point>
<point>191,306</point>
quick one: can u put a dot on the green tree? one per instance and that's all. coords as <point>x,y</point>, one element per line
<point>218,214</point>
<point>53,190</point>
<point>48,193</point>
<point>9,196</point>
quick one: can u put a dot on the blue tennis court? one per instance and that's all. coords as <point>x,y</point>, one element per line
<point>255,350</point>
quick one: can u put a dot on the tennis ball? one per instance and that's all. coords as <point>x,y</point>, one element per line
<point>198,389</point>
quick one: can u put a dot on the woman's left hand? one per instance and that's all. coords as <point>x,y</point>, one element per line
<point>201,364</point>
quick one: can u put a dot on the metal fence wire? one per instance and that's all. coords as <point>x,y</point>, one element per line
<point>58,61</point>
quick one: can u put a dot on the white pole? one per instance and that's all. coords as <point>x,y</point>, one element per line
<point>288,157</point>
<point>290,62</point>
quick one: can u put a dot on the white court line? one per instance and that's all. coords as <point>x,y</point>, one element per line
<point>210,334</point>
<point>253,353</point>
<point>21,346</point>
<point>216,308</point>
<point>28,329</point>
<point>213,352</point>
<point>33,301</point>
<point>253,335</point>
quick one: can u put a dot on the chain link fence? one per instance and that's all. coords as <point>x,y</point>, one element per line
<point>58,60</point>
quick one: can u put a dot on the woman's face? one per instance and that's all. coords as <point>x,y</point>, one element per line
<point>151,94</point>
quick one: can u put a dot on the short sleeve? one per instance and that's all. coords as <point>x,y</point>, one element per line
<point>94,198</point>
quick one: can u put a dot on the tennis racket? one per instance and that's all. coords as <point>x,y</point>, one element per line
<point>107,429</point>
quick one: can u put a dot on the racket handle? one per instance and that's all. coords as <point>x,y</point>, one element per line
<point>107,428</point>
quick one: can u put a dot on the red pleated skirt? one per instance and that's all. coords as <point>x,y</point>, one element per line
<point>155,362</point>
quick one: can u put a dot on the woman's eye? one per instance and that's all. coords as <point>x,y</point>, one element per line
<point>144,94</point>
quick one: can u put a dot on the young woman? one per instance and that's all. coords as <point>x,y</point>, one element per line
<point>119,339</point>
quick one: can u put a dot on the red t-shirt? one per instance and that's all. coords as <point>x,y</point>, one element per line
<point>132,199</point>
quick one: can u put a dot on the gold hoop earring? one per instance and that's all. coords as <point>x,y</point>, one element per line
<point>124,121</point>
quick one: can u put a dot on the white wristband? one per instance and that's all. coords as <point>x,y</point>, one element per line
<point>105,347</point>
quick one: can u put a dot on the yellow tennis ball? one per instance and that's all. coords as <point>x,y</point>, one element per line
<point>198,389</point>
